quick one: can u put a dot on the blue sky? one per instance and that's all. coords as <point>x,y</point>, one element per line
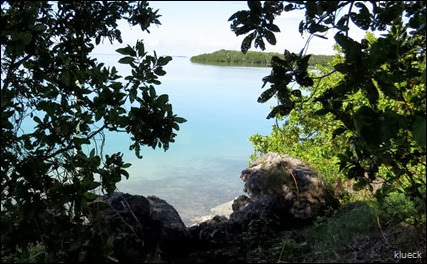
<point>193,27</point>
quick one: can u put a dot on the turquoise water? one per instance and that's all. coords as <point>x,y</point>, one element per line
<point>201,169</point>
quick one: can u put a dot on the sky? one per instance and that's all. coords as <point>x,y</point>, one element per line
<point>190,28</point>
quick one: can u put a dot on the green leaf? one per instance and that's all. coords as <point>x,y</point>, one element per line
<point>127,51</point>
<point>163,99</point>
<point>126,60</point>
<point>296,93</point>
<point>321,112</point>
<point>162,61</point>
<point>273,27</point>
<point>362,20</point>
<point>266,95</point>
<point>282,110</point>
<point>140,48</point>
<point>39,27</point>
<point>386,85</point>
<point>338,131</point>
<point>255,6</point>
<point>247,42</point>
<point>269,36</point>
<point>66,78</point>
<point>180,120</point>
<point>371,92</point>
<point>126,165</point>
<point>289,7</point>
<point>124,173</point>
<point>360,184</point>
<point>239,15</point>
<point>93,185</point>
<point>23,37</point>
<point>159,71</point>
<point>152,92</point>
<point>89,196</point>
<point>419,130</point>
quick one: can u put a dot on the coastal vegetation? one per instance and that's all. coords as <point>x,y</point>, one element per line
<point>250,58</point>
<point>360,123</point>
<point>51,174</point>
<point>369,109</point>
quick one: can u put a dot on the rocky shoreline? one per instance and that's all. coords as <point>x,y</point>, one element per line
<point>282,194</point>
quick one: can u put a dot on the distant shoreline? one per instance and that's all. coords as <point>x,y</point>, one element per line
<point>250,59</point>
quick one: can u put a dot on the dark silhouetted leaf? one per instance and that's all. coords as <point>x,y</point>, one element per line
<point>126,60</point>
<point>247,42</point>
<point>266,95</point>
<point>321,112</point>
<point>296,93</point>
<point>270,37</point>
<point>338,131</point>
<point>180,120</point>
<point>127,51</point>
<point>273,28</point>
<point>419,130</point>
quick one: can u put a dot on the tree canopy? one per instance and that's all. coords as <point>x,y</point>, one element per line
<point>50,80</point>
<point>372,113</point>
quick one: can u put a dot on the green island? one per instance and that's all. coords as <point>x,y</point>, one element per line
<point>251,58</point>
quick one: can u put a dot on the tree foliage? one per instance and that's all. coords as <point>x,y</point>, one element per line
<point>379,101</point>
<point>49,79</point>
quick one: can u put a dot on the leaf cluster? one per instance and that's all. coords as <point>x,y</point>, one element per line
<point>380,97</point>
<point>51,172</point>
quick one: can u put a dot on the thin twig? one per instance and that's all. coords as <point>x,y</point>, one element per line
<point>296,185</point>
<point>317,86</point>
<point>131,211</point>
<point>72,146</point>
<point>281,252</point>
<point>379,225</point>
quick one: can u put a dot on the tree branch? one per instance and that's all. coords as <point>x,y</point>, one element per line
<point>72,146</point>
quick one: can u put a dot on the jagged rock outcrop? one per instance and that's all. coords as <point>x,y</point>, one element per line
<point>280,186</point>
<point>282,193</point>
<point>144,226</point>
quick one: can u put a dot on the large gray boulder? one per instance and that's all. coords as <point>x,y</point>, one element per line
<point>282,187</point>
<point>144,227</point>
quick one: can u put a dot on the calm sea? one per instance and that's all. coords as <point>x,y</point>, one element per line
<point>201,169</point>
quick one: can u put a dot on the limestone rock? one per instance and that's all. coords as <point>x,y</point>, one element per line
<point>224,209</point>
<point>283,186</point>
<point>240,202</point>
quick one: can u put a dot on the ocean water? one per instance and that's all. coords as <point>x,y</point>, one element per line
<point>201,169</point>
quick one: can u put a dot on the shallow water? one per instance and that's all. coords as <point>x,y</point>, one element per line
<point>201,169</point>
